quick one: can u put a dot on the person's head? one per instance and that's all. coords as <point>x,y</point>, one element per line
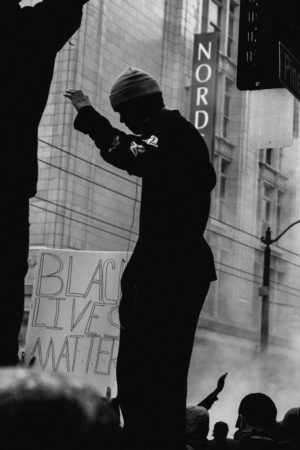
<point>257,410</point>
<point>135,95</point>
<point>291,423</point>
<point>220,430</point>
<point>197,424</point>
<point>49,411</point>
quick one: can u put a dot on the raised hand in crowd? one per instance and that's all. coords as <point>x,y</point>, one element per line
<point>213,396</point>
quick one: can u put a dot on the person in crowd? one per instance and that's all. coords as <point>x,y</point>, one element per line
<point>197,428</point>
<point>30,38</point>
<point>44,410</point>
<point>165,283</point>
<point>291,423</point>
<point>257,425</point>
<point>220,440</point>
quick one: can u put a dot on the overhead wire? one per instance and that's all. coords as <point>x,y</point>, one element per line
<point>252,235</point>
<point>260,278</point>
<point>133,182</point>
<point>123,237</point>
<point>78,221</point>
<point>259,250</point>
<point>135,200</point>
<point>86,179</point>
<point>88,216</point>
<point>234,227</point>
<point>97,166</point>
<point>255,282</point>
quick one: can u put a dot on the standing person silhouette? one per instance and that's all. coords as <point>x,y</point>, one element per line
<point>167,278</point>
<point>30,38</point>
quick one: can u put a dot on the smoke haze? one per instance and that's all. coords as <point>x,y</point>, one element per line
<point>276,375</point>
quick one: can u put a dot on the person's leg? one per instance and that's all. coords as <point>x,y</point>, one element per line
<point>174,354</point>
<point>153,365</point>
<point>14,241</point>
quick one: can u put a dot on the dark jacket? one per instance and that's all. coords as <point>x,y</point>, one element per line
<point>224,444</point>
<point>200,445</point>
<point>173,161</point>
<point>30,38</point>
<point>261,439</point>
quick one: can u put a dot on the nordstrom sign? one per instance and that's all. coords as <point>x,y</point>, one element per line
<point>204,84</point>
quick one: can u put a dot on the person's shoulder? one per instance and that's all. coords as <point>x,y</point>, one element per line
<point>233,444</point>
<point>175,117</point>
<point>176,125</point>
<point>257,439</point>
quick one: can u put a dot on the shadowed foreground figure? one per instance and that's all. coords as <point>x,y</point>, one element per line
<point>168,276</point>
<point>42,410</point>
<point>257,426</point>
<point>197,428</point>
<point>30,38</point>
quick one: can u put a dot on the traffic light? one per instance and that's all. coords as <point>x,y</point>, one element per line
<point>263,24</point>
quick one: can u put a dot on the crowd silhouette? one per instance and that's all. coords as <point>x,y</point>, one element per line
<point>54,411</point>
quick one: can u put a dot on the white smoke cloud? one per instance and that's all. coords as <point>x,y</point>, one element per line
<point>275,374</point>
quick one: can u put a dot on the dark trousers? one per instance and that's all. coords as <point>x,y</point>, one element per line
<point>14,241</point>
<point>156,342</point>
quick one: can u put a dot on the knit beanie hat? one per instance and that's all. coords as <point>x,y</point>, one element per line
<point>131,84</point>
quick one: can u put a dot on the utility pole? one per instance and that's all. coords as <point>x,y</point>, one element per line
<point>264,326</point>
<point>265,290</point>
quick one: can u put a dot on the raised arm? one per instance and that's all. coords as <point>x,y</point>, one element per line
<point>124,151</point>
<point>213,396</point>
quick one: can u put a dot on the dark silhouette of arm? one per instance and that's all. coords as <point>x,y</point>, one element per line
<point>213,396</point>
<point>124,151</point>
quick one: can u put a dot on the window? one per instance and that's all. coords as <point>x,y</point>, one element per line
<point>296,118</point>
<point>278,313</point>
<point>223,188</point>
<point>231,22</point>
<point>269,156</point>
<point>280,156</point>
<point>225,281</point>
<point>272,208</point>
<point>279,211</point>
<point>223,180</point>
<point>227,103</point>
<point>215,15</point>
<point>267,204</point>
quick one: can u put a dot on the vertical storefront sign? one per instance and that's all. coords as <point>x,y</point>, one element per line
<point>204,85</point>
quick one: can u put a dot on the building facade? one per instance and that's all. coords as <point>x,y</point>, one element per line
<point>84,204</point>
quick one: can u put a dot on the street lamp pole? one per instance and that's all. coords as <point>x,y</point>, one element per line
<point>264,325</point>
<point>264,330</point>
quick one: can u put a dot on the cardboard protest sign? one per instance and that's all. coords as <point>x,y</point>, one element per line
<point>73,322</point>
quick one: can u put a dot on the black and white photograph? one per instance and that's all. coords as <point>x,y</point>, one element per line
<point>150,225</point>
